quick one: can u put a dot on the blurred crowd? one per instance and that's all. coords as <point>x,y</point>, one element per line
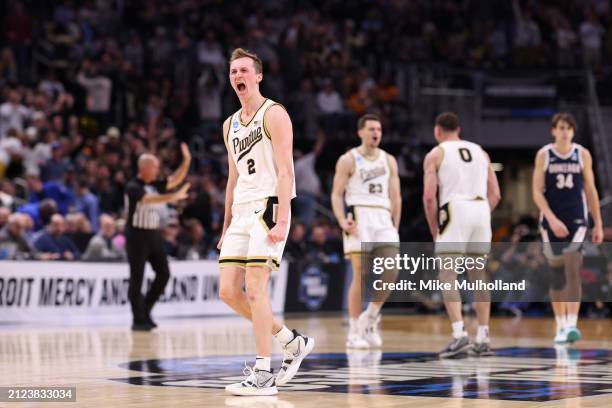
<point>86,87</point>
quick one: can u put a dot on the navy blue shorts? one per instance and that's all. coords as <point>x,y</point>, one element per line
<point>555,247</point>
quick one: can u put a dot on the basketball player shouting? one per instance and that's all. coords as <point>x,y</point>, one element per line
<point>460,172</point>
<point>260,186</point>
<point>563,184</point>
<point>367,178</point>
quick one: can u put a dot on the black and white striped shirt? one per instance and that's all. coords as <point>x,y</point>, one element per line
<point>144,216</point>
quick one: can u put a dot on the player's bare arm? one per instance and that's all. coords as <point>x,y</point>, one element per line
<point>395,194</point>
<point>558,227</point>
<point>176,178</point>
<point>430,188</point>
<point>493,192</point>
<point>232,178</point>
<point>341,177</point>
<point>592,196</point>
<point>281,134</point>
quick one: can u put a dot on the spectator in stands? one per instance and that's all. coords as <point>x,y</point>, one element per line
<point>4,216</point>
<point>296,244</point>
<point>308,184</point>
<point>101,247</point>
<point>98,88</point>
<point>193,244</point>
<point>119,239</point>
<point>210,88</point>
<point>55,169</point>
<point>18,32</point>
<point>54,190</point>
<point>329,100</point>
<point>13,114</point>
<point>319,247</point>
<point>303,108</point>
<point>78,230</point>
<point>198,205</point>
<point>12,154</point>
<point>210,52</point>
<point>528,37</point>
<point>170,234</point>
<point>87,203</point>
<point>39,212</point>
<point>8,65</point>
<point>53,242</point>
<point>51,86</point>
<point>591,33</point>
<point>13,243</point>
<point>330,105</point>
<point>8,194</point>
<point>28,228</point>
<point>566,40</point>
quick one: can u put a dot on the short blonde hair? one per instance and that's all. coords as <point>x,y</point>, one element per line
<point>242,53</point>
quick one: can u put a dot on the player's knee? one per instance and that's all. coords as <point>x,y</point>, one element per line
<point>557,278</point>
<point>229,294</point>
<point>255,289</point>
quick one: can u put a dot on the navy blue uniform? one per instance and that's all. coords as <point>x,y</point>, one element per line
<point>564,192</point>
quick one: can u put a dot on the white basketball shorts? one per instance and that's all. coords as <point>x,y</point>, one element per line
<point>374,224</point>
<point>464,227</point>
<point>246,240</point>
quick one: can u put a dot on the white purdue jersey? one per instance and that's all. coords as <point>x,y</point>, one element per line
<point>369,184</point>
<point>463,172</point>
<point>250,146</point>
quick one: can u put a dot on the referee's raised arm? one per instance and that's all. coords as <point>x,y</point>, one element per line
<point>176,178</point>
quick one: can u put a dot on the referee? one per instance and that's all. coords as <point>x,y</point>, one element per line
<point>146,196</point>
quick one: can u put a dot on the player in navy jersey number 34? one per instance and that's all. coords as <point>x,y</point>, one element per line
<point>564,191</point>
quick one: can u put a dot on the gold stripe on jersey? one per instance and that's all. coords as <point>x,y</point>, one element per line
<point>256,112</point>
<point>266,131</point>
<point>229,126</point>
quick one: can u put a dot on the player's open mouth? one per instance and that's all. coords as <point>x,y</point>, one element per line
<point>241,87</point>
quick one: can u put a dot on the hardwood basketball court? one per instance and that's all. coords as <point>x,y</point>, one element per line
<point>186,363</point>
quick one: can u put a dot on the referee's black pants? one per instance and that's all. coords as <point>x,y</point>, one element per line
<point>143,246</point>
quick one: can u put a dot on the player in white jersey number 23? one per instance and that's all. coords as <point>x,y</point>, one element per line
<point>367,178</point>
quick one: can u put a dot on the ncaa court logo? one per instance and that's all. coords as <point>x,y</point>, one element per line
<point>313,287</point>
<point>512,374</point>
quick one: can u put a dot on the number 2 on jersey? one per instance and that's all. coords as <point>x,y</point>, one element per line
<point>251,164</point>
<point>565,181</point>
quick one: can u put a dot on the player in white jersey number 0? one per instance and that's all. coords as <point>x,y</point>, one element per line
<point>460,191</point>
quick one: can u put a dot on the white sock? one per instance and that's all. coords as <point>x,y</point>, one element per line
<point>284,336</point>
<point>262,363</point>
<point>483,334</point>
<point>561,322</point>
<point>353,325</point>
<point>373,310</point>
<point>572,320</point>
<point>457,329</point>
